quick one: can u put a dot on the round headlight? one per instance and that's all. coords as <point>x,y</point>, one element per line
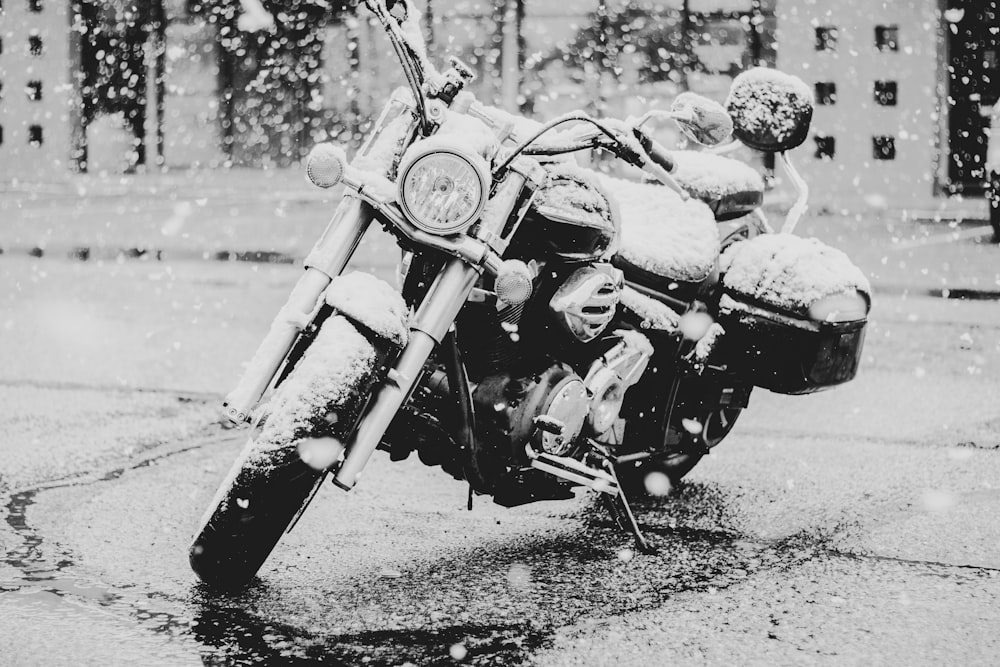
<point>442,190</point>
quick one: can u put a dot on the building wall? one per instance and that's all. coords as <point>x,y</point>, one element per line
<point>900,170</point>
<point>191,97</point>
<point>35,110</point>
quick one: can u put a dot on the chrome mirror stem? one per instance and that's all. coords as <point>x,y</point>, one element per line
<point>801,187</point>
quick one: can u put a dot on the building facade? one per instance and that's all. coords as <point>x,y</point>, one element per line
<point>36,110</point>
<point>903,92</point>
<point>903,87</point>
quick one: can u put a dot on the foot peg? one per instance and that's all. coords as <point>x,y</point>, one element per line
<point>575,471</point>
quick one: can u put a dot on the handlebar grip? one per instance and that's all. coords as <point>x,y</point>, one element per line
<point>659,154</point>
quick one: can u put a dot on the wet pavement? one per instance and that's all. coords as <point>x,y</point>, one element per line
<point>857,525</point>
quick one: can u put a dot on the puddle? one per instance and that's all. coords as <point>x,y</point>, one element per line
<point>48,584</point>
<point>578,576</point>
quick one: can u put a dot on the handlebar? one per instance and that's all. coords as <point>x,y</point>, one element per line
<point>624,138</point>
<point>657,152</point>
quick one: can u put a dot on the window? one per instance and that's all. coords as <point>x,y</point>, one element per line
<point>35,45</point>
<point>826,38</point>
<point>887,37</point>
<point>884,148</point>
<point>1,135</point>
<point>35,5</point>
<point>825,147</point>
<point>826,92</point>
<point>885,93</point>
<point>34,91</point>
<point>35,135</point>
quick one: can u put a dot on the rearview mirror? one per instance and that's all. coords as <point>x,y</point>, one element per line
<point>771,110</point>
<point>701,120</point>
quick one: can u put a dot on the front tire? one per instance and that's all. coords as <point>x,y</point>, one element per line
<point>245,523</point>
<point>269,484</point>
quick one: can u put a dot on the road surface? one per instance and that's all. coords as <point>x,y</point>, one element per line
<point>856,525</point>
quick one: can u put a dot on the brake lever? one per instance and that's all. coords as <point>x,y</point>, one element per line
<point>657,160</point>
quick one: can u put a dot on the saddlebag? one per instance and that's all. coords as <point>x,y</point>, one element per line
<point>794,311</point>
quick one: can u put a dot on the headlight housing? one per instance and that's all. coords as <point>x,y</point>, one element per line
<point>442,188</point>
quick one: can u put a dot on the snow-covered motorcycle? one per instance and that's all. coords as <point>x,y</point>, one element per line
<point>553,327</point>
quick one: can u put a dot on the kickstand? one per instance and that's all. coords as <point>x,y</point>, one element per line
<point>623,516</point>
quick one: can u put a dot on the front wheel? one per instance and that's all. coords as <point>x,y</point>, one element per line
<point>283,464</point>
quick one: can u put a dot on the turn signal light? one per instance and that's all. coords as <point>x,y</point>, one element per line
<point>513,282</point>
<point>326,165</point>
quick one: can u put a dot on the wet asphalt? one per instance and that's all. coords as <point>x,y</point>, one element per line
<point>854,526</point>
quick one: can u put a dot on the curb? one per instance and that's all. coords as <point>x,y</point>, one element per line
<point>124,253</point>
<point>117,254</point>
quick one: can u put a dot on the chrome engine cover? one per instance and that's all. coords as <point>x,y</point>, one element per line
<point>585,304</point>
<point>563,417</point>
<point>611,376</point>
<point>547,411</point>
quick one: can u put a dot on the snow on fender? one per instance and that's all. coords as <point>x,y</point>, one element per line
<point>372,303</point>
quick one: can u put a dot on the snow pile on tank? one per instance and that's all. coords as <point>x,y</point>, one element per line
<point>662,234</point>
<point>767,105</point>
<point>709,176</point>
<point>789,272</point>
<point>339,363</point>
<point>577,193</point>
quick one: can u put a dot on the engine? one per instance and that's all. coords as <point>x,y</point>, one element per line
<point>546,372</point>
<point>554,410</point>
<point>546,411</point>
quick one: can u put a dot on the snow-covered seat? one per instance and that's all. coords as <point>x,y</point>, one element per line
<point>665,241</point>
<point>729,187</point>
<point>789,273</point>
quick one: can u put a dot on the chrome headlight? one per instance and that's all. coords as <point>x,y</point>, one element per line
<point>442,189</point>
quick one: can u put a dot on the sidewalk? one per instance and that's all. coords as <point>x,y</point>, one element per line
<point>176,215</point>
<point>276,215</point>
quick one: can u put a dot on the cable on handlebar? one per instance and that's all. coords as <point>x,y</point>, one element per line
<point>552,125</point>
<point>558,150</point>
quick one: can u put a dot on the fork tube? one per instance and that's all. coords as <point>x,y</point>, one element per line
<point>435,316</point>
<point>326,261</point>
<point>341,237</point>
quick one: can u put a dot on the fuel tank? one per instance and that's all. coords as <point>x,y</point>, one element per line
<point>575,216</point>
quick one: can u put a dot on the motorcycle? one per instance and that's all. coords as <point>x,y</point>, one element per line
<point>553,327</point>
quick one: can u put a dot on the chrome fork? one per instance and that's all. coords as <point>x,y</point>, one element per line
<point>438,311</point>
<point>325,262</point>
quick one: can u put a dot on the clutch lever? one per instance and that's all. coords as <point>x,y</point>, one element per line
<point>658,161</point>
<point>640,150</point>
